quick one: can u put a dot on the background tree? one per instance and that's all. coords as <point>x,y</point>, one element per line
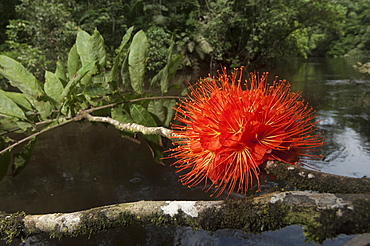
<point>7,12</point>
<point>353,38</point>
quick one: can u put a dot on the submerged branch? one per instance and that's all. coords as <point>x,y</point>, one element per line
<point>325,215</point>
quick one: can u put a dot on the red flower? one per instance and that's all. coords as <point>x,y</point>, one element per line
<point>227,132</point>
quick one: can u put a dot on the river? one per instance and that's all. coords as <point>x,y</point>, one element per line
<point>82,165</point>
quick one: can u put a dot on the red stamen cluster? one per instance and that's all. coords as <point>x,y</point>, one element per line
<point>227,132</point>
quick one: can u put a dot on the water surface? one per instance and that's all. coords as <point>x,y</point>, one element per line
<point>341,97</point>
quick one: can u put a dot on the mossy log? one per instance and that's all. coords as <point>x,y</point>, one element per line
<point>325,215</point>
<point>305,179</point>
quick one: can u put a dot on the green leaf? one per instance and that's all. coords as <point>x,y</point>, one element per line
<point>137,61</point>
<point>53,88</point>
<point>60,72</point>
<point>24,125</point>
<point>102,80</point>
<point>76,78</point>
<point>125,76</point>
<point>169,70</point>
<point>97,48</point>
<point>73,62</point>
<point>174,65</point>
<point>121,56</point>
<point>9,108</point>
<point>141,115</point>
<point>164,79</point>
<point>167,73</point>
<point>20,77</point>
<point>156,108</point>
<point>19,98</point>
<point>96,90</point>
<point>159,76</point>
<point>203,45</point>
<point>121,115</point>
<point>44,108</point>
<point>7,124</point>
<point>21,159</point>
<point>155,145</point>
<point>86,53</point>
<point>169,104</point>
<point>84,47</point>
<point>91,48</point>
<point>124,41</point>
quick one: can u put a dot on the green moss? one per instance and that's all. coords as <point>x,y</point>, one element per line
<point>245,215</point>
<point>95,221</point>
<point>301,215</point>
<point>333,222</point>
<point>321,182</point>
<point>180,219</point>
<point>160,220</point>
<point>11,226</point>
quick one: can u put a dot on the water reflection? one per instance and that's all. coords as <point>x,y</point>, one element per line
<point>341,96</point>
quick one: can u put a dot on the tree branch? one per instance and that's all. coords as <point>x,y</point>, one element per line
<point>325,215</point>
<point>35,135</point>
<point>131,127</point>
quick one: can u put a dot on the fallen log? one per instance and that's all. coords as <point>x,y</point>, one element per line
<point>325,215</point>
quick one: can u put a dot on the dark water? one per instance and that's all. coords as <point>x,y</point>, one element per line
<point>83,165</point>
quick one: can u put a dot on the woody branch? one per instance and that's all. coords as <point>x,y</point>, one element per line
<point>272,211</point>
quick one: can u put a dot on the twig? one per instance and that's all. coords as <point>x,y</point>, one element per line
<point>37,124</point>
<point>131,127</point>
<point>35,135</point>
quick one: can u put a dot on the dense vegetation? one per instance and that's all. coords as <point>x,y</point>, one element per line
<point>39,32</point>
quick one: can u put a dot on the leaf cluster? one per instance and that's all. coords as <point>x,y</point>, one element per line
<point>86,81</point>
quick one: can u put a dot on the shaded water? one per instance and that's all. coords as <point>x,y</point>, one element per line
<point>82,166</point>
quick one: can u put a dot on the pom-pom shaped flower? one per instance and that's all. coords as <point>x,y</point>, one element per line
<point>230,127</point>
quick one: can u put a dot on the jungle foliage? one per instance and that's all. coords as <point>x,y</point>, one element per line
<point>208,32</point>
